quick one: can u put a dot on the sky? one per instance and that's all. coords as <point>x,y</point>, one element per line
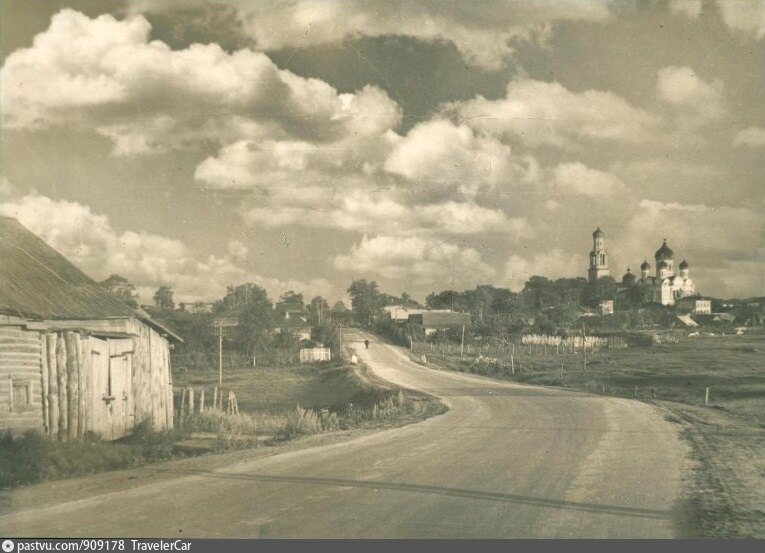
<point>426,145</point>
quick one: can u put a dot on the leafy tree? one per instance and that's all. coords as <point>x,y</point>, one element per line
<point>291,297</point>
<point>318,310</point>
<point>239,295</point>
<point>365,300</point>
<point>119,287</point>
<point>163,298</point>
<point>256,320</point>
<point>601,289</point>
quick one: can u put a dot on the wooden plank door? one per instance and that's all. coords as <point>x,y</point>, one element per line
<point>120,374</point>
<point>101,420</point>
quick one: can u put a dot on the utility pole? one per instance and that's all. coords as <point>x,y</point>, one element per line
<point>584,349</point>
<point>220,358</point>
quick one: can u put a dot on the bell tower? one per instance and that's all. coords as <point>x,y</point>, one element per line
<point>598,257</point>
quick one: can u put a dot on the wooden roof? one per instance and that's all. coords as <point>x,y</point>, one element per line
<point>37,282</point>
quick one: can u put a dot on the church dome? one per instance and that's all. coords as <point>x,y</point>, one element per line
<point>598,233</point>
<point>683,264</point>
<point>664,252</point>
<point>645,265</point>
<point>662,265</point>
<point>628,277</point>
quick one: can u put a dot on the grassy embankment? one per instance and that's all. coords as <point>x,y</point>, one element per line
<point>727,435</point>
<point>275,405</point>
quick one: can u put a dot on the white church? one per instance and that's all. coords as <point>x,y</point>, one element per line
<point>665,287</point>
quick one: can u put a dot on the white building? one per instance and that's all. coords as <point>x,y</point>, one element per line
<point>666,286</point>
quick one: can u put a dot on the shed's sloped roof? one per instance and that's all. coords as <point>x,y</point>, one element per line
<point>443,319</point>
<point>38,282</point>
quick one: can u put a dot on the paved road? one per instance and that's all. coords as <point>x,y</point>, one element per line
<point>505,461</point>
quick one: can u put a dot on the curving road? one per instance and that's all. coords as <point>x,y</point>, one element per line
<point>506,461</point>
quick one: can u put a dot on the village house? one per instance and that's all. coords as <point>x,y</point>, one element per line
<point>400,313</point>
<point>441,319</point>
<point>74,359</point>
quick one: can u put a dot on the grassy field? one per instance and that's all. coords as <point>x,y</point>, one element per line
<point>279,390</point>
<point>726,486</point>
<point>732,367</point>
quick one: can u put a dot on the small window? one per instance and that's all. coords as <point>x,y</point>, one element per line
<point>21,395</point>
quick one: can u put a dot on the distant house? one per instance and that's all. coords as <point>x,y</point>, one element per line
<point>687,321</point>
<point>73,358</point>
<point>695,306</point>
<point>198,307</point>
<point>291,310</point>
<point>299,328</point>
<point>606,307</point>
<point>401,313</point>
<point>433,321</point>
<point>340,313</point>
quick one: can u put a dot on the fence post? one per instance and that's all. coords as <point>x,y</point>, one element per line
<point>191,401</point>
<point>706,397</point>
<point>202,400</point>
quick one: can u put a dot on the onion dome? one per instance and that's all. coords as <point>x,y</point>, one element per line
<point>662,265</point>
<point>628,277</point>
<point>598,233</point>
<point>664,252</point>
<point>683,265</point>
<point>645,265</point>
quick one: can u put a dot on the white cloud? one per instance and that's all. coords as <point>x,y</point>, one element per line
<point>445,158</point>
<point>107,75</point>
<point>552,264</point>
<point>482,31</point>
<point>690,8</point>
<point>577,178</point>
<point>754,137</point>
<point>364,212</point>
<point>744,15</point>
<point>146,260</point>
<point>400,258</point>
<point>538,112</point>
<point>681,86</point>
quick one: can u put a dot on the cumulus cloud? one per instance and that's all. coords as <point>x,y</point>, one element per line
<point>147,260</point>
<point>542,113</point>
<point>441,156</point>
<point>413,258</point>
<point>106,74</point>
<point>552,264</point>
<point>682,87</point>
<point>754,137</point>
<point>577,178</point>
<point>744,15</point>
<point>364,212</point>
<point>483,32</point>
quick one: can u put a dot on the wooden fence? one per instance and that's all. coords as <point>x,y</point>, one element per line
<point>312,355</point>
<point>195,400</point>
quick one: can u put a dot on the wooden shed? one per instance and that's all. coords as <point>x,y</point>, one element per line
<point>74,359</point>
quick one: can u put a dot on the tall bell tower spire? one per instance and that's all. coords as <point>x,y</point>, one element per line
<point>598,257</point>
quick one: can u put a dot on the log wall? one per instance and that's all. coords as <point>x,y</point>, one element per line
<point>64,397</point>
<point>20,366</point>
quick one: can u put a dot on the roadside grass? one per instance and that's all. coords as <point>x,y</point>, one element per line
<point>32,458</point>
<point>726,488</point>
<point>276,405</point>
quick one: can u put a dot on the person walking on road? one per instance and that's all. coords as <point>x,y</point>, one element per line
<point>366,344</point>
